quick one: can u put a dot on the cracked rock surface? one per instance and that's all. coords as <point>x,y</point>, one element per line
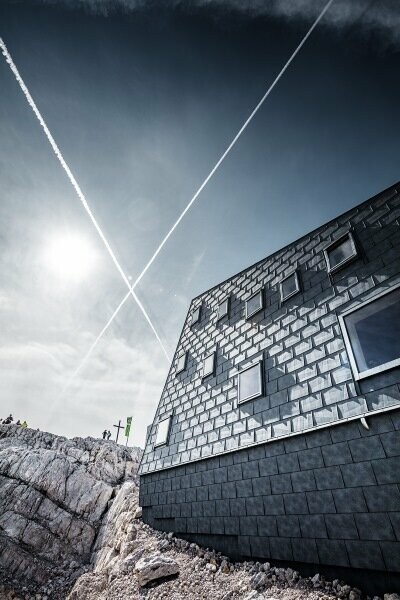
<point>54,493</point>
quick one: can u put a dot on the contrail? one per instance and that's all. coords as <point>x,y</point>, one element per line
<point>76,187</point>
<point>96,341</point>
<point>207,179</point>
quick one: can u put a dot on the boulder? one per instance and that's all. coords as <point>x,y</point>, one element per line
<point>138,513</point>
<point>155,566</point>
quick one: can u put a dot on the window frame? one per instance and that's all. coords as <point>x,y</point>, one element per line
<point>228,305</point>
<point>185,359</point>
<point>348,344</point>
<point>338,242</point>
<point>165,442</point>
<point>192,322</point>
<point>296,291</point>
<point>210,373</point>
<point>258,364</point>
<point>255,312</point>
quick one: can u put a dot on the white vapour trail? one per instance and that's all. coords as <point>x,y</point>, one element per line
<point>207,179</point>
<point>102,332</point>
<point>76,187</point>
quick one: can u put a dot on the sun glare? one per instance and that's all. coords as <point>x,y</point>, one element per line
<point>70,257</point>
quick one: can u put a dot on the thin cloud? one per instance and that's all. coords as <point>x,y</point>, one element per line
<point>379,16</point>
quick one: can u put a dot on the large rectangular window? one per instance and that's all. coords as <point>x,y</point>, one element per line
<point>340,252</point>
<point>372,334</point>
<point>250,382</point>
<point>181,363</point>
<point>254,304</point>
<point>223,309</point>
<point>162,434</point>
<point>290,286</point>
<point>196,316</point>
<point>209,365</point>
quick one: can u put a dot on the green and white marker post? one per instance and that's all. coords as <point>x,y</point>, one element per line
<point>128,428</point>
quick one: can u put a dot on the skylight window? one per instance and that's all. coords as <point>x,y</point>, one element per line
<point>162,435</point>
<point>254,304</point>
<point>290,286</point>
<point>196,316</point>
<point>223,309</point>
<point>181,363</point>
<point>250,382</point>
<point>209,365</point>
<point>372,334</point>
<point>340,252</point>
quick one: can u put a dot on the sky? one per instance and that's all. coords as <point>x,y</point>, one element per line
<point>142,98</point>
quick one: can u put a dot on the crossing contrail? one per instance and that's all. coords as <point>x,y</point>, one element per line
<point>77,189</point>
<point>207,179</point>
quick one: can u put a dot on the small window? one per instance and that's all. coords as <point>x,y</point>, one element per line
<point>340,252</point>
<point>196,316</point>
<point>181,363</point>
<point>250,382</point>
<point>162,435</point>
<point>372,334</point>
<point>290,286</point>
<point>223,309</point>
<point>254,304</point>
<point>209,365</point>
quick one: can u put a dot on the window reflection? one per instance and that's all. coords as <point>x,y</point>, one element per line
<point>250,383</point>
<point>340,252</point>
<point>162,432</point>
<point>374,333</point>
<point>254,304</point>
<point>289,286</point>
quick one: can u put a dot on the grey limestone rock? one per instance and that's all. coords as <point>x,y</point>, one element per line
<point>154,567</point>
<point>54,498</point>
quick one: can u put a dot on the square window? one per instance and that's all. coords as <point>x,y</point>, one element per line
<point>162,435</point>
<point>223,309</point>
<point>290,286</point>
<point>254,304</point>
<point>181,363</point>
<point>196,316</point>
<point>340,252</point>
<point>372,334</point>
<point>250,382</point>
<point>209,365</point>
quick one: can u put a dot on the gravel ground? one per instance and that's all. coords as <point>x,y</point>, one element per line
<point>205,574</point>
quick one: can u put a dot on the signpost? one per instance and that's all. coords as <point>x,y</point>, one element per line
<point>128,428</point>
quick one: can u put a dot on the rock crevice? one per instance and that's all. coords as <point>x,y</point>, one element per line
<point>54,495</point>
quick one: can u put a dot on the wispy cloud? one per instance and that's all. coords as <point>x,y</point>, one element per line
<point>381,16</point>
<point>125,378</point>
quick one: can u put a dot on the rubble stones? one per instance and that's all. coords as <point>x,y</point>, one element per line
<point>155,566</point>
<point>138,513</point>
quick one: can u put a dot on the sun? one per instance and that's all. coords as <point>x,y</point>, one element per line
<point>69,256</point>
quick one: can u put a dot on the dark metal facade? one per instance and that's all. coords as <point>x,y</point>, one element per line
<point>292,474</point>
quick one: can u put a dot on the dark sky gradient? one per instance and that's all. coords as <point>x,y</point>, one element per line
<point>142,104</point>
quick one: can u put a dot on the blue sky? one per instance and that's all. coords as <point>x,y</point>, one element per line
<point>142,101</point>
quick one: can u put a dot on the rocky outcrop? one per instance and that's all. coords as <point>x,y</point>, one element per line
<point>54,495</point>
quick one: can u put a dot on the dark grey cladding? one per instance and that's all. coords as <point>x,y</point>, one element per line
<point>308,381</point>
<point>316,499</point>
<point>291,474</point>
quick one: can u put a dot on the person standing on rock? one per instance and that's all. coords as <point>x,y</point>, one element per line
<point>105,432</point>
<point>24,424</point>
<point>108,435</point>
